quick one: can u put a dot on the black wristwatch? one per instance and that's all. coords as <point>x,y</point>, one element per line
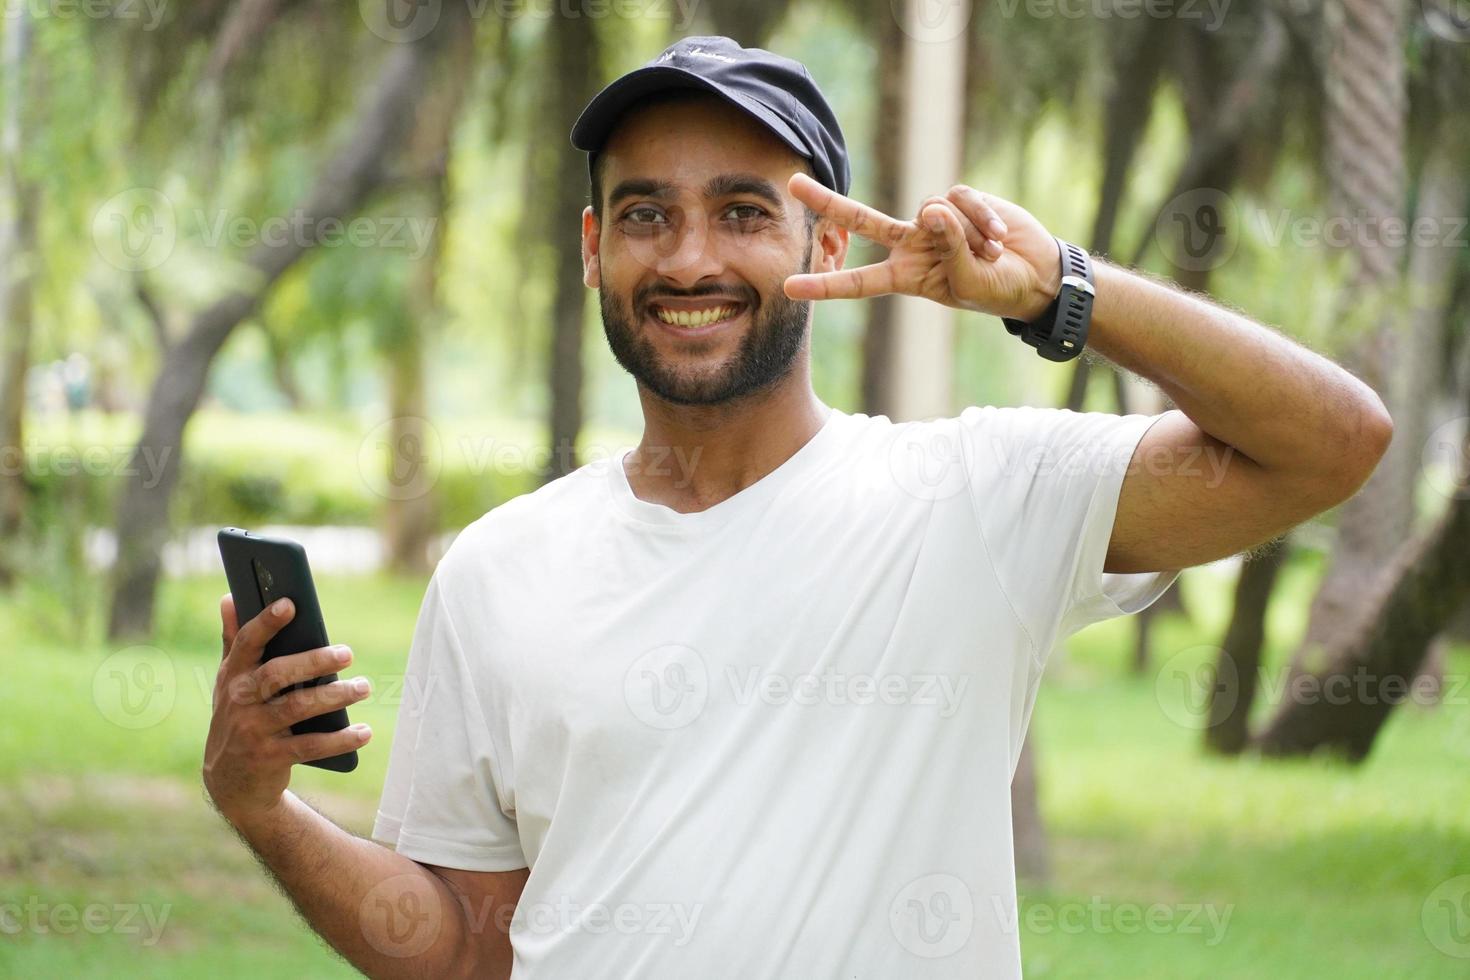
<point>1061,331</point>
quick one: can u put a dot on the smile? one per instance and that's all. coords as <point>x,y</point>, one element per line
<point>697,318</point>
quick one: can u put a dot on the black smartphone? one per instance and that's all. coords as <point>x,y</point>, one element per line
<point>261,569</point>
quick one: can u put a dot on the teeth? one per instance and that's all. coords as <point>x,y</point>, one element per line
<point>694,318</point>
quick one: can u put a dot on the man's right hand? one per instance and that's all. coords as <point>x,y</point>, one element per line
<point>250,749</point>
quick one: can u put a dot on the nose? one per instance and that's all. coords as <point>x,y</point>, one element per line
<point>693,254</point>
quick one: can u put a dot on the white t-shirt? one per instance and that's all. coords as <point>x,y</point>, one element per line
<point>774,738</point>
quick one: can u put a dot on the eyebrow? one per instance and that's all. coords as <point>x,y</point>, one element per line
<point>721,185</point>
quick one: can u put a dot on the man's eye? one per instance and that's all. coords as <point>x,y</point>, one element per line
<point>746,212</point>
<point>643,216</point>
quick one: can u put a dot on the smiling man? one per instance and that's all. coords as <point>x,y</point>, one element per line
<point>745,700</point>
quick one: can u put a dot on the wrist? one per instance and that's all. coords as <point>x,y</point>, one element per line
<point>1045,288</point>
<point>252,822</point>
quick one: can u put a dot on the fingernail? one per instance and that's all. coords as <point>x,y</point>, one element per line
<point>361,731</point>
<point>936,223</point>
<point>997,227</point>
<point>279,606</point>
<point>343,654</point>
<point>359,685</point>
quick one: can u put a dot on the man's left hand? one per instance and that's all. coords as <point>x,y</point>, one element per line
<point>966,249</point>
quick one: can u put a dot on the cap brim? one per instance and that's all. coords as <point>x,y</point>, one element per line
<point>592,127</point>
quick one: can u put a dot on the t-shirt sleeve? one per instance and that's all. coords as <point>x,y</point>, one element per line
<point>444,801</point>
<point>1045,484</point>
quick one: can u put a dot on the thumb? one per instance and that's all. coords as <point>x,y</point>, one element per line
<point>948,236</point>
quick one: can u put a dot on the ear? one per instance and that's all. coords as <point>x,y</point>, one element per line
<point>591,234</point>
<point>831,250</point>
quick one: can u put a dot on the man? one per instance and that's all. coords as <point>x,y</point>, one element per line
<point>746,700</point>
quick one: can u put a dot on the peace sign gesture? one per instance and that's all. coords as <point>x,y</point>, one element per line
<point>966,249</point>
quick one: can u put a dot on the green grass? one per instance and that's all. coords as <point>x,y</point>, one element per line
<point>1323,869</point>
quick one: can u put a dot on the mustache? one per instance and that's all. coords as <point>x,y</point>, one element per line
<point>746,296</point>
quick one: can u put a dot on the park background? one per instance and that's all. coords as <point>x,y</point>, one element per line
<point>312,266</point>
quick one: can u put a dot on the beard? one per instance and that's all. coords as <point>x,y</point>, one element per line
<point>766,354</point>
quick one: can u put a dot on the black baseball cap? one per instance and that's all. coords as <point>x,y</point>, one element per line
<point>778,92</point>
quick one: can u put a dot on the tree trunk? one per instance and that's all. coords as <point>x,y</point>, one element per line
<point>17,267</point>
<point>1343,709</point>
<point>409,515</point>
<point>575,57</point>
<point>383,118</point>
<point>877,352</point>
<point>280,358</point>
<point>1239,665</point>
<point>1340,644</point>
<point>1365,127</point>
<point>750,22</point>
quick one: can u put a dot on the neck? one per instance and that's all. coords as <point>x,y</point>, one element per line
<point>692,457</point>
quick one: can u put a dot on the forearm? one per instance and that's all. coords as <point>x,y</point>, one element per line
<point>1271,399</point>
<point>386,914</point>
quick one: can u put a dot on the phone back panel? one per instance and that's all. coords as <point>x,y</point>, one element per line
<point>288,575</point>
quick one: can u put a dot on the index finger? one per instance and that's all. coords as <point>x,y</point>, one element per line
<point>229,623</point>
<point>855,216</point>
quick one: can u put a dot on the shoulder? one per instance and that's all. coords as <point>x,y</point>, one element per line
<point>530,523</point>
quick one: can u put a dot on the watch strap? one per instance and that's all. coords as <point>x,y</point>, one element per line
<point>1060,333</point>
